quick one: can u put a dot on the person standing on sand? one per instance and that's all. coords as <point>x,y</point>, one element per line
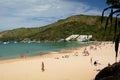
<point>42,68</point>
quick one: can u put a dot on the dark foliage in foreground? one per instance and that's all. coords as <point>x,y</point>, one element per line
<point>114,11</point>
<point>109,73</point>
<point>112,72</point>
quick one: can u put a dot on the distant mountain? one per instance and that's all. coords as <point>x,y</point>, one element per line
<point>77,24</point>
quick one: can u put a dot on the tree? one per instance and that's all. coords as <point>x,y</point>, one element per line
<point>114,11</point>
<point>112,2</point>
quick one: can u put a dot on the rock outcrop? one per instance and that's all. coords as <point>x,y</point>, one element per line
<point>111,72</point>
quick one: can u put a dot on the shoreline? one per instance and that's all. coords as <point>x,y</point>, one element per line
<point>43,55</point>
<point>50,54</point>
<point>74,65</point>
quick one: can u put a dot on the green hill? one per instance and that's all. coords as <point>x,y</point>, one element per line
<point>77,24</point>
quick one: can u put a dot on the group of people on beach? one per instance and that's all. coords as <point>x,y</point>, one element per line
<point>85,52</point>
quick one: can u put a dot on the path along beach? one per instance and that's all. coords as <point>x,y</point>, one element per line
<point>72,64</point>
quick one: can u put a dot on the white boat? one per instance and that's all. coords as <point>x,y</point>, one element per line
<point>15,42</point>
<point>5,42</point>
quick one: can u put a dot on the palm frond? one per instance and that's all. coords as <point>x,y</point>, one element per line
<point>111,20</point>
<point>113,7</point>
<point>117,45</point>
<point>115,27</point>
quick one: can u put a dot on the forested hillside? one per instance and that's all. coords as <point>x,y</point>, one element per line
<point>77,24</point>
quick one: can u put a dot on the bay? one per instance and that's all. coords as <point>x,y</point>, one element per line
<point>14,50</point>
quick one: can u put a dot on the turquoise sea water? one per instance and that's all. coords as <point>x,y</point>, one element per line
<point>14,50</point>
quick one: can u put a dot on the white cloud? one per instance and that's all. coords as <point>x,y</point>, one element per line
<point>34,13</point>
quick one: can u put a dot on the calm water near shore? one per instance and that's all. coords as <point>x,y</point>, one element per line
<point>14,50</point>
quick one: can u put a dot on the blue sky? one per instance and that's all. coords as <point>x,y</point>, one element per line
<point>35,13</point>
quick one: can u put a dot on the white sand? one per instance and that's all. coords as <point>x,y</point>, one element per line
<point>58,68</point>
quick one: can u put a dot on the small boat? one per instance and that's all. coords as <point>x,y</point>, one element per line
<point>5,42</point>
<point>15,42</point>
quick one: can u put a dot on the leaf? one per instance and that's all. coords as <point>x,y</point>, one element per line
<point>111,18</point>
<point>104,12</point>
<point>113,6</point>
<point>117,45</point>
<point>107,21</point>
<point>115,29</point>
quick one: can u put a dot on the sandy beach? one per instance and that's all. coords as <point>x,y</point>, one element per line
<point>72,64</point>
